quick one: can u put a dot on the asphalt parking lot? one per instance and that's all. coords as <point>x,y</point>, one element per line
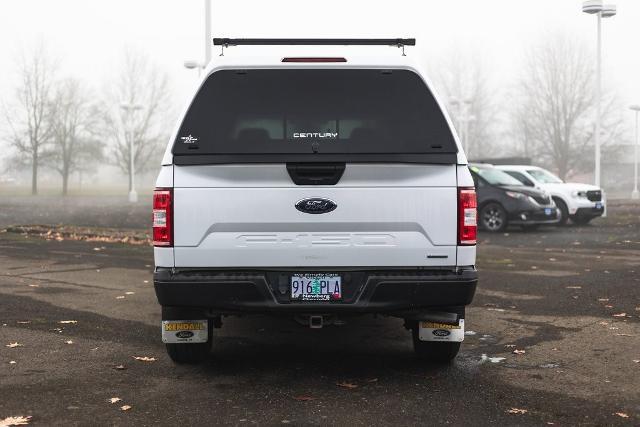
<point>553,338</point>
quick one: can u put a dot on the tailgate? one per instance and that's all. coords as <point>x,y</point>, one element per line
<point>393,215</point>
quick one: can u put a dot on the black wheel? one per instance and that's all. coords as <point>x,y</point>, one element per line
<point>530,227</point>
<point>189,353</point>
<point>581,220</point>
<point>563,211</point>
<point>493,217</point>
<point>438,352</point>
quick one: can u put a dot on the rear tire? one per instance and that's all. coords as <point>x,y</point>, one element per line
<point>431,351</point>
<point>562,210</point>
<point>189,353</point>
<point>493,217</point>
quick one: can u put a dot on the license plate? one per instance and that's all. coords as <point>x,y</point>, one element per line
<point>598,205</point>
<point>547,211</point>
<point>316,287</point>
<point>184,331</point>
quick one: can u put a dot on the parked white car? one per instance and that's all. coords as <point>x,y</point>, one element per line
<point>579,202</point>
<point>314,188</point>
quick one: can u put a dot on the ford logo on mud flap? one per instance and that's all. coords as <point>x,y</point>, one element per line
<point>315,205</point>
<point>441,333</point>
<point>184,334</point>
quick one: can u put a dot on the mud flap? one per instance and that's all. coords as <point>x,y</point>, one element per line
<point>185,331</point>
<point>443,332</point>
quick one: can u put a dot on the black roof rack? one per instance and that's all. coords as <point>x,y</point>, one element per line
<point>313,42</point>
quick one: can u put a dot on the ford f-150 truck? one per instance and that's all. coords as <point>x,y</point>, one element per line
<point>316,188</point>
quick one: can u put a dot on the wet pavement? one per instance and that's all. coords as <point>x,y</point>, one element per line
<point>553,337</point>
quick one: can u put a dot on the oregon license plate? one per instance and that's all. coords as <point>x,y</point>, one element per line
<point>316,287</point>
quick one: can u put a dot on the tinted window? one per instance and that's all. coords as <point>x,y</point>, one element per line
<point>497,177</point>
<point>520,177</point>
<point>544,176</point>
<point>289,111</point>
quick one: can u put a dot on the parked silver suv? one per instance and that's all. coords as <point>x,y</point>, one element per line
<point>314,188</point>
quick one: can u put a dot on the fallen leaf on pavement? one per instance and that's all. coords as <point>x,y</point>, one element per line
<point>303,398</point>
<point>114,400</point>
<point>14,344</point>
<point>516,351</point>
<point>119,367</point>
<point>619,315</point>
<point>64,322</point>
<point>347,385</point>
<point>144,358</point>
<point>125,407</point>
<point>621,415</point>
<point>517,411</point>
<point>15,421</point>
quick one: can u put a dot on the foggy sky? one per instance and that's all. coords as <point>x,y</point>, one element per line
<point>89,36</point>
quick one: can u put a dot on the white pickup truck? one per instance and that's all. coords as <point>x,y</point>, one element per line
<point>579,202</point>
<point>314,187</point>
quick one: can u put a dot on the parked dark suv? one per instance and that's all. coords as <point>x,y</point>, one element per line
<point>503,200</point>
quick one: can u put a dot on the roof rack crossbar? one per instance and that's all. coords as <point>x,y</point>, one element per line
<point>313,42</point>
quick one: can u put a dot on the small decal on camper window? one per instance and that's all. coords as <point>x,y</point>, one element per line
<point>189,139</point>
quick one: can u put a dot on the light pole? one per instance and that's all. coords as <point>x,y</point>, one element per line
<point>634,194</point>
<point>128,108</point>
<point>602,11</point>
<point>191,64</point>
<point>464,112</point>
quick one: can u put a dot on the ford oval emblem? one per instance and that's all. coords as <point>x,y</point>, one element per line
<point>441,333</point>
<point>315,205</point>
<point>184,334</point>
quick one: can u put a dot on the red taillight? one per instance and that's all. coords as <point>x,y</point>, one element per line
<point>307,59</point>
<point>467,216</point>
<point>163,217</point>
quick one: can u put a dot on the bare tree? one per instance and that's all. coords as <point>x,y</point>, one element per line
<point>555,107</point>
<point>143,89</point>
<point>471,101</point>
<point>75,144</point>
<point>29,118</point>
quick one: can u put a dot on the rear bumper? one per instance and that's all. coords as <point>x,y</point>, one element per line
<point>364,291</point>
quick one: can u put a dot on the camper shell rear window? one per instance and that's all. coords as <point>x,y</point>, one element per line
<point>314,115</point>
